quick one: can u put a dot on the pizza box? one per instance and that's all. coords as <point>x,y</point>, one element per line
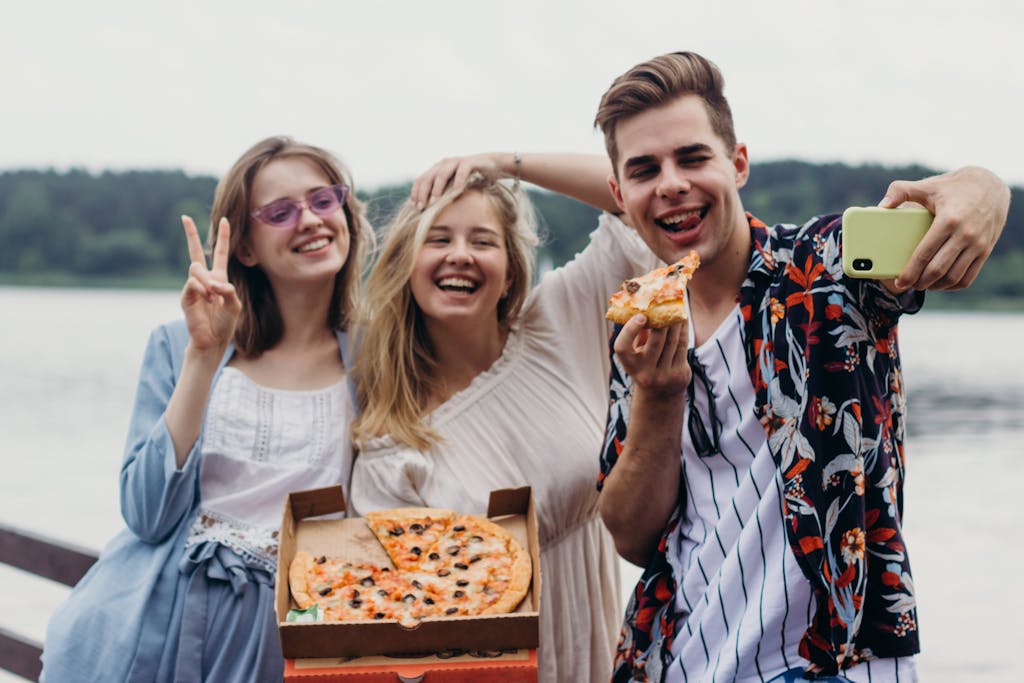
<point>506,666</point>
<point>351,539</point>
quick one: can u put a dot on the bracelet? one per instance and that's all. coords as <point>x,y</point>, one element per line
<point>518,159</point>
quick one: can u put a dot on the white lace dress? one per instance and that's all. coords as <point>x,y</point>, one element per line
<point>536,417</point>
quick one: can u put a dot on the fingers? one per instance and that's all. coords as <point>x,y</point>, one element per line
<point>452,172</point>
<point>195,244</point>
<point>654,358</point>
<point>221,248</point>
<point>429,186</point>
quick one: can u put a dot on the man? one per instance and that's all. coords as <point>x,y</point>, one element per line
<point>761,481</point>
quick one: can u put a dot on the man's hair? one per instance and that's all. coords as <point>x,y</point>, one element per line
<point>657,82</point>
<point>260,325</point>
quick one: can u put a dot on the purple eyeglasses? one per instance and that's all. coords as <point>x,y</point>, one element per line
<point>285,213</point>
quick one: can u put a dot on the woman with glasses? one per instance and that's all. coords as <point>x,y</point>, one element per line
<point>470,380</point>
<point>239,403</point>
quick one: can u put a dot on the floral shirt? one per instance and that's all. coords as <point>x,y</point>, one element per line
<point>824,363</point>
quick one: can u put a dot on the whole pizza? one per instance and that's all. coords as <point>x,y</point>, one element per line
<point>445,564</point>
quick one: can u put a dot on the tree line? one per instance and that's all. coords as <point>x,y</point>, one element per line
<point>77,227</point>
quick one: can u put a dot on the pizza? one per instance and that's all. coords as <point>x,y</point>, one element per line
<point>660,294</point>
<point>445,564</point>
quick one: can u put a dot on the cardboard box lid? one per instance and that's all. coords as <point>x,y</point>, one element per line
<point>351,539</point>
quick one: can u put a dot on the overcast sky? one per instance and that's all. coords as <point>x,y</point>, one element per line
<point>392,86</point>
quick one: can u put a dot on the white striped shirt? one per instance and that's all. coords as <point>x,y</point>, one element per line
<point>744,601</point>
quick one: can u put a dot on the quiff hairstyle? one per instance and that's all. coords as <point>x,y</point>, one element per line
<point>657,82</point>
<point>260,326</point>
<point>396,366</point>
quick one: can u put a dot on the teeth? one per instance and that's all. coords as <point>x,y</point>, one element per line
<point>680,217</point>
<point>458,282</point>
<point>314,245</point>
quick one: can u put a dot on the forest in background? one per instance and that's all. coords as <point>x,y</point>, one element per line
<point>77,228</point>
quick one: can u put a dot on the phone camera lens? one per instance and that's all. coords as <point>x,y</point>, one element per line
<point>862,264</point>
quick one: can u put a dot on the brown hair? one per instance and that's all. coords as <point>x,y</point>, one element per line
<point>395,367</point>
<point>260,325</point>
<point>658,81</point>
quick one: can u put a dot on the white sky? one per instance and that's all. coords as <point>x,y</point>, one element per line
<point>391,86</point>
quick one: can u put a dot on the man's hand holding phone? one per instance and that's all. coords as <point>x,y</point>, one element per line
<point>970,207</point>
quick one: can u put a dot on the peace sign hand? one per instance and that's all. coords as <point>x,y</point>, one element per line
<point>209,301</point>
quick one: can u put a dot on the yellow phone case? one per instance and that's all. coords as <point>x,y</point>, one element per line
<point>877,243</point>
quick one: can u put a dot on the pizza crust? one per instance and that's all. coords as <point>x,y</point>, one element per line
<point>297,581</point>
<point>658,315</point>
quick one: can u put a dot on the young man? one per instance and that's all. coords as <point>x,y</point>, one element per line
<point>761,481</point>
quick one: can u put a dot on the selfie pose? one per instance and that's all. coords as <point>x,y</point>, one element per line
<point>238,404</point>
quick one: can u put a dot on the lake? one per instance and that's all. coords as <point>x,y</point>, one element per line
<point>69,361</point>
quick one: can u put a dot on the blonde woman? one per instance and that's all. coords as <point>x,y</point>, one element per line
<point>469,380</point>
<point>239,403</point>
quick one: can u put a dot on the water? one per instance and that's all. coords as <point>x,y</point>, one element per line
<point>68,366</point>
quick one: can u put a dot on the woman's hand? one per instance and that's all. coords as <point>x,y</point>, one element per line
<point>455,171</point>
<point>209,301</point>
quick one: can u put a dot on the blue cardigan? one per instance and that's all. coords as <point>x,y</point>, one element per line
<point>118,620</point>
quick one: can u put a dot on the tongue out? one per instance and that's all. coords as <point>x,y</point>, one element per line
<point>689,222</point>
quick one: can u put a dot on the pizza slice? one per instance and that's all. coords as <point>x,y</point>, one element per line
<point>408,533</point>
<point>660,294</point>
<point>314,579</point>
<point>484,570</point>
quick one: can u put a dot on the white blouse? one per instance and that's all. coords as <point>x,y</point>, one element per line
<point>536,417</point>
<point>261,444</point>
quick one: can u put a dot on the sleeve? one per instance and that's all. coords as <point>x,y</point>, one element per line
<point>155,495</point>
<point>387,479</point>
<point>619,386</point>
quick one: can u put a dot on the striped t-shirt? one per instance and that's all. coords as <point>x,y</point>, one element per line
<point>743,600</point>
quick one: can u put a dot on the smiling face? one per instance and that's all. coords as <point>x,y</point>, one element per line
<point>461,271</point>
<point>316,248</point>
<point>679,185</point>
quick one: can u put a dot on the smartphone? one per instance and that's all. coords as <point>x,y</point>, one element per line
<point>878,243</point>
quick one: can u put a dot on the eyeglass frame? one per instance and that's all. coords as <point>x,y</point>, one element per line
<point>339,190</point>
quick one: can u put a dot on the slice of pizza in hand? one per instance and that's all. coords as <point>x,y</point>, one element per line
<point>660,294</point>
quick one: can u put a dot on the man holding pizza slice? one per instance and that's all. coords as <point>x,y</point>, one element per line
<point>760,484</point>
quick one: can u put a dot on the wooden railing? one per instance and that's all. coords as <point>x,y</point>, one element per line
<point>50,559</point>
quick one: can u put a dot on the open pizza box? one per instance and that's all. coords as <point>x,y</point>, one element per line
<point>352,540</point>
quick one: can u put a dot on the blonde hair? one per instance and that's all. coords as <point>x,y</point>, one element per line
<point>395,367</point>
<point>658,81</point>
<point>260,325</point>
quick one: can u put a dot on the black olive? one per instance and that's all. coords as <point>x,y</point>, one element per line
<point>451,610</point>
<point>356,603</point>
<point>434,556</point>
<point>461,565</point>
<point>443,572</point>
<point>368,581</point>
<point>453,550</point>
<point>428,601</point>
<point>458,527</point>
<point>462,582</point>
<point>378,615</point>
<point>458,594</point>
<point>325,590</point>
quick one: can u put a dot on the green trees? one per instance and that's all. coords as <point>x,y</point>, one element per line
<point>79,227</point>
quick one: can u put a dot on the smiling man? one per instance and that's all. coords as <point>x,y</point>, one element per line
<point>760,484</point>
